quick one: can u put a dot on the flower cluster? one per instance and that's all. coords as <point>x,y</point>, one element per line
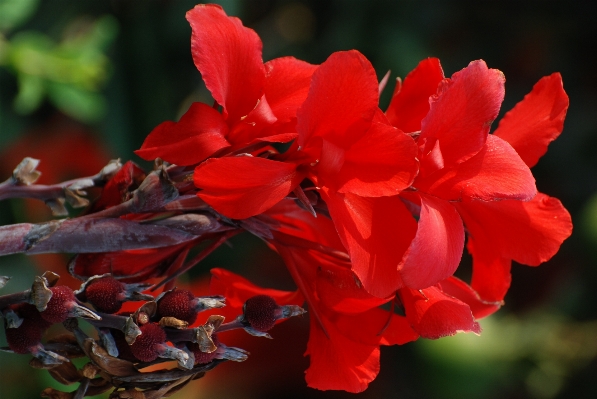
<point>369,209</point>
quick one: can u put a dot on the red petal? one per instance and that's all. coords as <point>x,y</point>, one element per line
<point>278,138</point>
<point>253,126</point>
<point>337,362</point>
<point>376,327</point>
<point>228,55</point>
<point>200,132</point>
<point>339,290</point>
<point>410,103</point>
<point>464,292</point>
<point>495,173</point>
<point>462,111</point>
<point>243,186</point>
<point>238,289</point>
<point>383,162</point>
<point>296,221</point>
<point>433,314</point>
<point>287,85</point>
<point>528,232</point>
<point>125,181</point>
<point>537,120</point>
<point>342,100</point>
<point>376,232</point>
<point>435,252</point>
<point>491,271</point>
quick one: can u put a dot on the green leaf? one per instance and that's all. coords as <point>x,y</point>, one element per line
<point>15,12</point>
<point>31,93</point>
<point>78,103</point>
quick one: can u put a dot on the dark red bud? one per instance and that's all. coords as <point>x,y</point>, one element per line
<point>106,294</point>
<point>146,347</point>
<point>178,304</point>
<point>30,332</point>
<point>60,305</point>
<point>260,312</point>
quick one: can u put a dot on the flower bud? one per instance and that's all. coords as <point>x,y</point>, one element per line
<point>261,312</point>
<point>183,305</point>
<point>107,294</point>
<point>28,335</point>
<point>63,305</point>
<point>146,347</point>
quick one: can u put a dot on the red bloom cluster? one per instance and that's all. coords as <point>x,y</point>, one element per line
<point>367,207</point>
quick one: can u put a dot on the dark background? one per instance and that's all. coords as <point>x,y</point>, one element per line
<point>541,344</point>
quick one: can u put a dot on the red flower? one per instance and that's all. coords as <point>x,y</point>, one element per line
<point>347,149</point>
<point>347,325</point>
<point>343,347</point>
<point>469,176</point>
<point>258,100</point>
<point>342,146</point>
<point>528,232</point>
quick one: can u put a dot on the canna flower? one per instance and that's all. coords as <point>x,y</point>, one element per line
<point>471,179</point>
<point>258,100</point>
<point>343,146</point>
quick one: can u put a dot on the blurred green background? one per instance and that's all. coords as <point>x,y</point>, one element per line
<point>82,82</point>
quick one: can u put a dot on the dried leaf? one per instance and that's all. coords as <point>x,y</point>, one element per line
<point>98,386</point>
<point>149,308</point>
<point>131,330</point>
<point>203,339</point>
<point>90,370</point>
<point>173,322</point>
<point>111,365</point>
<point>65,373</point>
<point>3,281</point>
<point>25,173</point>
<point>48,358</point>
<point>215,321</point>
<point>51,278</point>
<point>57,207</point>
<point>55,394</point>
<point>110,169</point>
<point>128,394</point>
<point>11,319</point>
<point>40,293</point>
<point>74,197</point>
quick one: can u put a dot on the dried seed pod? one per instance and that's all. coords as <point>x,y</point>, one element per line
<point>107,294</point>
<point>63,305</point>
<point>261,312</point>
<point>147,345</point>
<point>183,305</point>
<point>178,304</point>
<point>29,334</point>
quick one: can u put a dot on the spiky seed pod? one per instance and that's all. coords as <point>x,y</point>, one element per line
<point>59,305</point>
<point>179,304</point>
<point>63,305</point>
<point>260,312</point>
<point>204,357</point>
<point>106,294</point>
<point>30,332</point>
<point>146,347</point>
